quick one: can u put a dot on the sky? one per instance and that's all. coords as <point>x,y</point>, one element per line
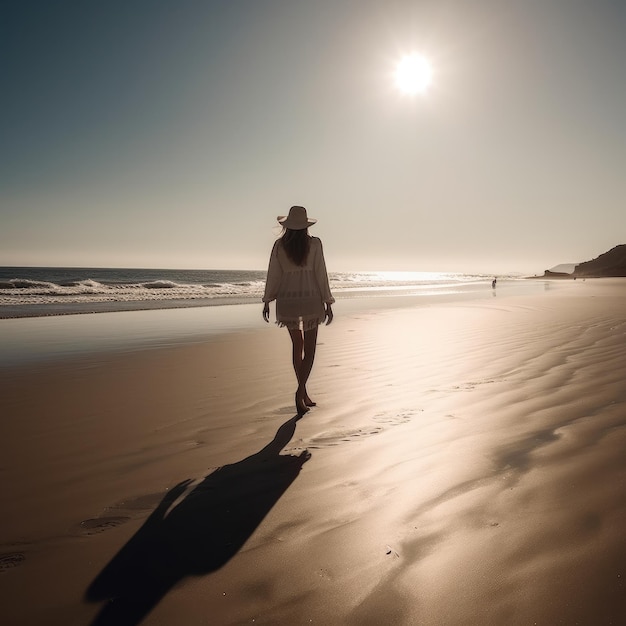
<point>151,133</point>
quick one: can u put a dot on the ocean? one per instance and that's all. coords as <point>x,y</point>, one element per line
<point>44,291</point>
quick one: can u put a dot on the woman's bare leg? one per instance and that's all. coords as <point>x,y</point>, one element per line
<point>310,343</point>
<point>303,355</point>
<point>297,347</point>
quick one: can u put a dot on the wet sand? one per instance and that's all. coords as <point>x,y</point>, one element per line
<point>465,465</point>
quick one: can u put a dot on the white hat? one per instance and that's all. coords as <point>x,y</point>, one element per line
<point>296,220</point>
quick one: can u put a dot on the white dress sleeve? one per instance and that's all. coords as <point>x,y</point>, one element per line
<point>274,275</point>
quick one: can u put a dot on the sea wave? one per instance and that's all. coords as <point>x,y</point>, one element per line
<point>23,292</point>
<point>37,287</point>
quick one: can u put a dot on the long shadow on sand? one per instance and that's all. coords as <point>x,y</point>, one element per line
<point>198,535</point>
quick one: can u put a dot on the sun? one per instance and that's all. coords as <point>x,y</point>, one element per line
<point>414,74</point>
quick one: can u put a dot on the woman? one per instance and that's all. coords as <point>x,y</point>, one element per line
<point>297,280</point>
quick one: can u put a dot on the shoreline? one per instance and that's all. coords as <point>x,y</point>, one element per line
<point>26,340</point>
<point>460,289</point>
<point>469,449</point>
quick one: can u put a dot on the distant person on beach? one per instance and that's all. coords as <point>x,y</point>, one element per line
<point>493,283</point>
<point>298,281</point>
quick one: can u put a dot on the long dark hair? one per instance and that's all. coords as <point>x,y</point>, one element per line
<point>296,244</point>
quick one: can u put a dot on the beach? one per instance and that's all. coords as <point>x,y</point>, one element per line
<point>464,465</point>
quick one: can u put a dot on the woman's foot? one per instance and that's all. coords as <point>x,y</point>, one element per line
<point>307,399</point>
<point>301,406</point>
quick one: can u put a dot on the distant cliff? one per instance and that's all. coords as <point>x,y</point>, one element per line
<point>611,263</point>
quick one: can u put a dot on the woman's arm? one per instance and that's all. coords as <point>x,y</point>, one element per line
<point>272,283</point>
<point>321,276</point>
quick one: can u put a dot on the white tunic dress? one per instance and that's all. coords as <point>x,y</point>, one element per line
<point>300,291</point>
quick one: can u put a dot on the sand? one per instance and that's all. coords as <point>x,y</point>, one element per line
<point>465,465</point>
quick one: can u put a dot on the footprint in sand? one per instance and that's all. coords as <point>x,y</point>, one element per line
<point>334,438</point>
<point>98,525</point>
<point>9,560</point>
<point>471,385</point>
<point>383,421</point>
<point>131,506</point>
<point>393,419</point>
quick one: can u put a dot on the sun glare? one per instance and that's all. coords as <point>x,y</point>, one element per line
<point>414,74</point>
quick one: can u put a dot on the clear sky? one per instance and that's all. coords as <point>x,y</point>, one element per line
<point>171,134</point>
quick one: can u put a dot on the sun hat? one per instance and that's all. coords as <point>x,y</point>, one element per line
<point>296,220</point>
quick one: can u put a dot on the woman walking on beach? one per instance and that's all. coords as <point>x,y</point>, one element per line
<point>298,281</point>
